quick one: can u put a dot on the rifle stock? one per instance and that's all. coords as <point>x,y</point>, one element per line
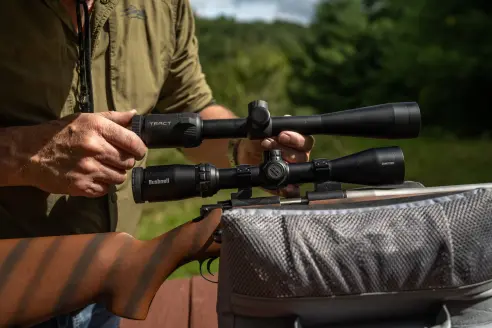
<point>48,276</point>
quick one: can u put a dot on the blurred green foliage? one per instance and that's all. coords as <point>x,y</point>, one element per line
<point>358,53</point>
<point>364,52</point>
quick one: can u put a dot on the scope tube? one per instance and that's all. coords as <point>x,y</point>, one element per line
<point>387,121</point>
<point>188,130</point>
<point>378,166</point>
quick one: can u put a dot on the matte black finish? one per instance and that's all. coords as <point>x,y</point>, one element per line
<point>188,130</point>
<point>369,166</point>
<point>378,166</point>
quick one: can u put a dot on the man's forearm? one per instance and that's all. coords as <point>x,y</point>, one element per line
<point>212,151</point>
<point>12,159</point>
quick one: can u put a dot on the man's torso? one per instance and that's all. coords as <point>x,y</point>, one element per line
<point>133,42</point>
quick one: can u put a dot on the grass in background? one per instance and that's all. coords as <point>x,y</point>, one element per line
<point>430,161</point>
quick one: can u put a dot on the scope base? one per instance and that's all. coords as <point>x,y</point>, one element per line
<point>244,198</point>
<point>242,193</point>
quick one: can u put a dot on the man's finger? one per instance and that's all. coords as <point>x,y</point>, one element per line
<point>115,157</point>
<point>296,140</point>
<point>290,191</point>
<point>109,175</point>
<point>292,155</point>
<point>124,139</point>
<point>96,189</point>
<point>269,143</point>
<point>120,118</point>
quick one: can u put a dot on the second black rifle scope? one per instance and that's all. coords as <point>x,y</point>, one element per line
<point>377,166</point>
<point>188,130</point>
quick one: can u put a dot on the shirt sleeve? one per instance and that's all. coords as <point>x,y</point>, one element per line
<point>185,88</point>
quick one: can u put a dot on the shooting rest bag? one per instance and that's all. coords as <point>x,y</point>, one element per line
<point>409,263</point>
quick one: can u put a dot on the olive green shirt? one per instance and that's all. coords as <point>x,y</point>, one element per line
<point>144,57</point>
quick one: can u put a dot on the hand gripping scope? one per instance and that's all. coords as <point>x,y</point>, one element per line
<point>377,166</point>
<point>188,130</point>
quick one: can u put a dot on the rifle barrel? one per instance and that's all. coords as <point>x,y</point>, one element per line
<point>374,194</point>
<point>415,191</point>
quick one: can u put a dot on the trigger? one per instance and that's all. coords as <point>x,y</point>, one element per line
<point>209,264</point>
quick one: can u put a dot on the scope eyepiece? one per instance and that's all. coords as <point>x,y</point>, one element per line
<point>174,182</point>
<point>183,130</point>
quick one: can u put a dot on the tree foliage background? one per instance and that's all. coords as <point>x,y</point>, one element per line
<point>358,53</point>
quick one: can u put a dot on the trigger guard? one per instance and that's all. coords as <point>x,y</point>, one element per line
<point>209,262</point>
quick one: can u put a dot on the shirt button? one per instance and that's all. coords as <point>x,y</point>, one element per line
<point>104,1</point>
<point>114,198</point>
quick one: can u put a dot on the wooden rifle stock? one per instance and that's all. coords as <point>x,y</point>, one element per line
<point>44,277</point>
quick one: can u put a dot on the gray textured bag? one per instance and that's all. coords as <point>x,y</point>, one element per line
<point>394,263</point>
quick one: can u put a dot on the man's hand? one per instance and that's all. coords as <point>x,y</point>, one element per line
<point>81,154</point>
<point>295,148</point>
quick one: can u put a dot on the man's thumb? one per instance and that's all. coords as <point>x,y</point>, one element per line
<point>121,118</point>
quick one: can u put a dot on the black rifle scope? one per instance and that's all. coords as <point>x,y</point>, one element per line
<point>376,166</point>
<point>188,130</point>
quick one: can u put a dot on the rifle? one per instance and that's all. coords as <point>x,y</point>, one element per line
<point>48,276</point>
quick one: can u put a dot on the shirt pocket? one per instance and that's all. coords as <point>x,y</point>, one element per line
<point>140,50</point>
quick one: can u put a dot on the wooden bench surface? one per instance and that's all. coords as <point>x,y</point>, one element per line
<point>181,303</point>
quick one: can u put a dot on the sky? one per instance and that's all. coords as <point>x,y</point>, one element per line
<point>299,11</point>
